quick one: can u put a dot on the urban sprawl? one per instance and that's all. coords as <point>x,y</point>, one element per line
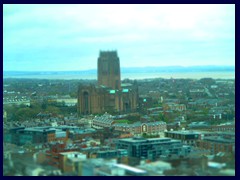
<point>114,127</point>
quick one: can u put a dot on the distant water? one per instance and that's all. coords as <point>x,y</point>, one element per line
<point>165,75</point>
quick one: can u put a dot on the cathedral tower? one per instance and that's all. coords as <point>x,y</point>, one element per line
<point>109,69</point>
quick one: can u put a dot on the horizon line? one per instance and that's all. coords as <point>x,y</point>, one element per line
<point>233,66</point>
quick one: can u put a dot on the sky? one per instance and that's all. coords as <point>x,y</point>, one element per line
<point>69,37</point>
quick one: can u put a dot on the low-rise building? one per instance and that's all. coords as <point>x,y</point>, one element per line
<point>175,107</point>
<point>151,148</point>
<point>224,142</point>
<point>54,152</point>
<point>71,162</point>
<point>186,137</point>
<point>155,168</point>
<point>223,127</point>
<point>105,120</point>
<point>199,125</point>
<point>35,135</point>
<point>79,134</point>
<point>16,101</point>
<point>67,101</point>
<point>157,127</point>
<point>101,167</point>
<point>118,153</point>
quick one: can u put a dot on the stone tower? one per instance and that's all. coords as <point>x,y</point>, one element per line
<point>109,69</point>
<point>108,95</point>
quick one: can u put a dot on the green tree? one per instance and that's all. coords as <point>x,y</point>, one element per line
<point>161,117</point>
<point>44,105</point>
<point>52,109</point>
<point>25,113</point>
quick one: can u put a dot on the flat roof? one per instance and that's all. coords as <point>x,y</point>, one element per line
<point>125,90</point>
<point>219,139</point>
<point>39,130</point>
<point>130,168</point>
<point>183,132</point>
<point>140,139</point>
<point>71,152</point>
<point>112,91</point>
<point>126,84</point>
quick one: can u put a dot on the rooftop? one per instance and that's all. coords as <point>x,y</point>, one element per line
<point>136,170</point>
<point>219,139</point>
<point>125,90</point>
<point>184,132</point>
<point>126,84</point>
<point>72,152</point>
<point>149,140</point>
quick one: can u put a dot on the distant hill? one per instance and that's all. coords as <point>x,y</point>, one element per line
<point>128,70</point>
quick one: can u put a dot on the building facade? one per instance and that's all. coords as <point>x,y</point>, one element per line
<point>108,95</point>
<point>106,120</point>
<point>186,137</point>
<point>137,128</point>
<point>152,148</point>
<point>223,142</point>
<point>154,128</point>
<point>36,135</point>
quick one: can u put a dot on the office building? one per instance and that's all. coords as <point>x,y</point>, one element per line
<point>152,148</point>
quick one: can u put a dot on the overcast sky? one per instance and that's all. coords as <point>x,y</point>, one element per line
<point>69,37</point>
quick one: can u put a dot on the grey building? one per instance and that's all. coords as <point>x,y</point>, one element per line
<point>152,148</point>
<point>112,153</point>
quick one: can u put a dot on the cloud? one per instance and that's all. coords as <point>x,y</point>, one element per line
<point>158,34</point>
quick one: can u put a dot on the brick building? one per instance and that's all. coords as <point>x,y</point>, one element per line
<point>224,142</point>
<point>140,128</point>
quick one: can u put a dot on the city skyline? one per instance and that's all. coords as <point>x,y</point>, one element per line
<point>69,37</point>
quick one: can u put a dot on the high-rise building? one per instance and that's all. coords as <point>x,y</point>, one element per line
<point>109,95</point>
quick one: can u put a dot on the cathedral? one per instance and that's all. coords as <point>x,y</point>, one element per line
<point>109,95</point>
